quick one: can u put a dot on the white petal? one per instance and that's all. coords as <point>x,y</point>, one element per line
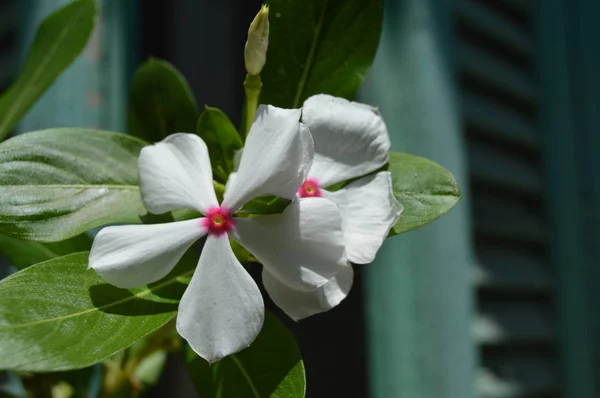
<point>135,255</point>
<point>369,210</point>
<point>350,138</point>
<point>222,310</point>
<point>297,304</point>
<point>176,174</point>
<point>303,246</point>
<point>230,179</point>
<point>276,157</point>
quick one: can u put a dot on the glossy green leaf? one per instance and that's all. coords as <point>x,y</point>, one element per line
<point>59,183</point>
<point>271,367</point>
<point>222,139</point>
<point>319,46</point>
<point>58,41</point>
<point>424,188</point>
<point>60,315</point>
<point>23,253</point>
<point>160,102</point>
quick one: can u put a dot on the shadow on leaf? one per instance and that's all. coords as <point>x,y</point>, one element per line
<point>110,299</point>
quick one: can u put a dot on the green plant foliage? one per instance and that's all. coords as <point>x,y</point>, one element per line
<point>265,205</point>
<point>160,102</point>
<point>59,183</point>
<point>59,40</point>
<point>424,188</point>
<point>222,139</point>
<point>23,253</point>
<point>319,46</point>
<point>60,315</point>
<point>271,367</point>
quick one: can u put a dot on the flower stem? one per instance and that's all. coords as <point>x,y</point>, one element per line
<point>252,86</point>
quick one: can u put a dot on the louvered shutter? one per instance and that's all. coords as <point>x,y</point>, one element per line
<point>515,325</point>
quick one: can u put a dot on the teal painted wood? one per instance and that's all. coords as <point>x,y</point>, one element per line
<point>419,294</point>
<point>558,117</point>
<point>93,90</point>
<point>585,63</point>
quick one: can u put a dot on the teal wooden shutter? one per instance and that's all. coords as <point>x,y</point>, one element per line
<point>527,92</point>
<point>515,327</point>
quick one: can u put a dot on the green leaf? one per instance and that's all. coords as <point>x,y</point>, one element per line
<point>59,183</point>
<point>23,253</point>
<point>424,188</point>
<point>319,46</point>
<point>160,102</point>
<point>58,41</point>
<point>265,205</point>
<point>271,367</point>
<point>60,315</point>
<point>222,139</point>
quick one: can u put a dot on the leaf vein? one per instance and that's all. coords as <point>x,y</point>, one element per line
<point>309,58</point>
<point>245,374</point>
<point>138,295</point>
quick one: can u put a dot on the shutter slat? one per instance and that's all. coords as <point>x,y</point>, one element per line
<point>530,370</point>
<point>492,72</point>
<point>519,380</point>
<point>521,7</point>
<point>493,165</point>
<point>505,269</point>
<point>508,219</point>
<point>491,118</point>
<point>520,322</point>
<point>492,26</point>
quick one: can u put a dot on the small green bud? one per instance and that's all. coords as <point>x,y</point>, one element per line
<point>255,52</point>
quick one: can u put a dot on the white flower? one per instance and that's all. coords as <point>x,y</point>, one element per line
<point>350,141</point>
<point>222,310</point>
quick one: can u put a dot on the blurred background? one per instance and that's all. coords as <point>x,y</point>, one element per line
<point>495,300</point>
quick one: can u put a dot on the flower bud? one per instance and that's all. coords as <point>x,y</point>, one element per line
<point>255,52</point>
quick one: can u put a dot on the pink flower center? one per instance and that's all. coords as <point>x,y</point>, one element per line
<point>310,189</point>
<point>218,220</point>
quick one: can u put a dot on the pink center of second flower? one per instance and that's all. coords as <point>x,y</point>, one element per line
<point>218,220</point>
<point>310,189</point>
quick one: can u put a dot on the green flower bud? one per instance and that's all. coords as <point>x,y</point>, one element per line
<point>255,52</point>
